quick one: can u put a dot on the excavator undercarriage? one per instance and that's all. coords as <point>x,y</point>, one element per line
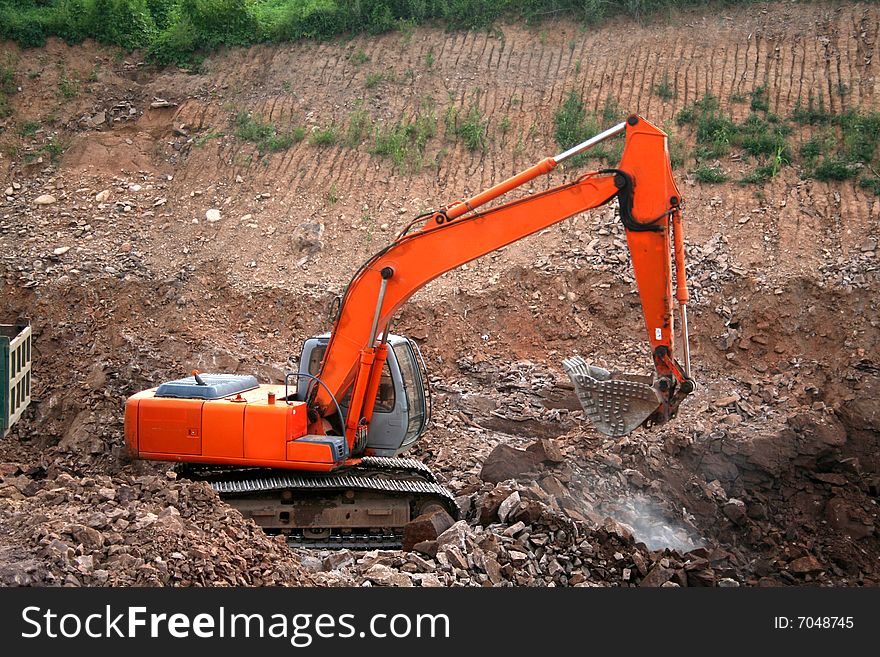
<point>364,506</point>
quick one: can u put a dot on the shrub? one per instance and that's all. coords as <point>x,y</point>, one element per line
<point>707,174</point>
<point>265,135</point>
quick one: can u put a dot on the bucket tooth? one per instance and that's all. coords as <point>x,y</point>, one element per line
<point>615,404</point>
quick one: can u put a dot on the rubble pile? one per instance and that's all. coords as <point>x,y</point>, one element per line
<point>521,541</point>
<point>150,530</point>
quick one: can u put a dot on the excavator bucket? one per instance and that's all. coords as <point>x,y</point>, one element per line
<point>615,404</point>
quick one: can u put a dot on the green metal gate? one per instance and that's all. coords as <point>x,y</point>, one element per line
<point>15,373</point>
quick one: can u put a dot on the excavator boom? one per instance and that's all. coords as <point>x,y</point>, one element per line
<point>649,209</point>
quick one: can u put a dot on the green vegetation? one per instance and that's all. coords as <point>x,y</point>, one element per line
<point>847,147</point>
<point>472,129</point>
<point>7,85</point>
<point>28,129</point>
<point>707,174</point>
<point>405,142</point>
<point>664,89</point>
<point>813,114</point>
<point>265,135</point>
<point>332,195</point>
<point>178,31</point>
<point>358,126</point>
<point>716,133</point>
<point>52,149</point>
<point>203,139</point>
<point>324,137</point>
<point>575,124</point>
<point>68,87</point>
<point>871,183</point>
<point>373,79</point>
<point>359,57</point>
<point>760,100</point>
<point>677,151</point>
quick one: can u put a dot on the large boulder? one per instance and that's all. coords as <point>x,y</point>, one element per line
<point>505,462</point>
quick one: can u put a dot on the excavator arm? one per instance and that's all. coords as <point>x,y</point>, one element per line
<point>458,233</point>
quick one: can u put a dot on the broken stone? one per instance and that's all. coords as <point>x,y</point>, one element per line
<point>45,199</point>
<point>505,462</point>
<point>547,450</point>
<point>657,576</point>
<point>455,535</point>
<point>735,510</point>
<point>382,575</point>
<point>805,565</point>
<point>509,506</point>
<point>426,527</point>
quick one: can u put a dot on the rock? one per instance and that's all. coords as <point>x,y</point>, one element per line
<point>823,430</point>
<point>728,583</point>
<point>547,450</point>
<point>102,196</point>
<point>61,250</point>
<point>455,557</point>
<point>845,518</point>
<point>9,191</point>
<point>428,580</point>
<point>312,564</point>
<point>78,433</point>
<point>509,506</point>
<point>89,538</point>
<point>805,565</point>
<point>701,577</point>
<point>45,199</point>
<point>169,520</point>
<point>382,575</point>
<point>338,559</point>
<point>212,215</point>
<point>505,462</point>
<point>488,504</point>
<point>735,510</point>
<point>426,527</point>
<point>428,548</point>
<point>455,535</point>
<point>657,576</point>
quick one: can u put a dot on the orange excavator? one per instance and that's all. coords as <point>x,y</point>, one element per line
<point>317,457</point>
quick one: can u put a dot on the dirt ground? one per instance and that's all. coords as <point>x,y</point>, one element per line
<point>771,466</point>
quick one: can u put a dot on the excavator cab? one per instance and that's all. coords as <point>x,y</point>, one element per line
<point>402,409</point>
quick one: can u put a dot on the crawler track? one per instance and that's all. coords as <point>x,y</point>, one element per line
<point>361,507</point>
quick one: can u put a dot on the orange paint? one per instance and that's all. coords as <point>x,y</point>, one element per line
<point>223,427</point>
<point>170,425</point>
<point>298,450</point>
